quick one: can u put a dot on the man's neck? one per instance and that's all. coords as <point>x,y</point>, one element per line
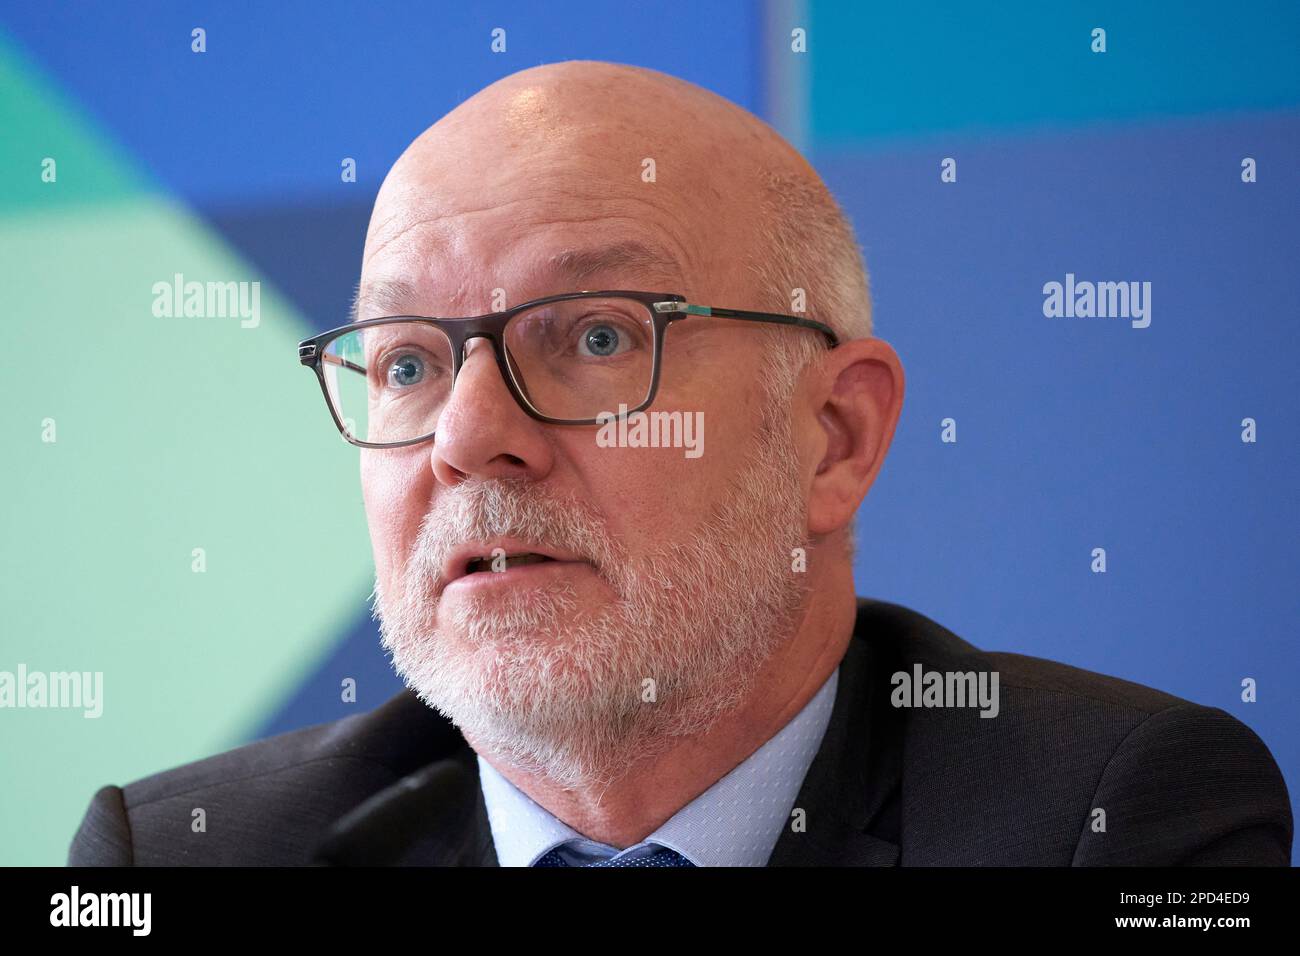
<point>624,813</point>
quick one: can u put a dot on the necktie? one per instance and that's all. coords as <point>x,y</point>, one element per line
<point>662,856</point>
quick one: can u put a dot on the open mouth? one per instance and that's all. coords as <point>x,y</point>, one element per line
<point>502,564</point>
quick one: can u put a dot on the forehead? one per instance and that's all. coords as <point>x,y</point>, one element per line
<point>561,217</point>
<point>550,266</point>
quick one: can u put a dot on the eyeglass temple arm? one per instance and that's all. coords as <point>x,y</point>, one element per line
<point>329,359</point>
<point>743,315</point>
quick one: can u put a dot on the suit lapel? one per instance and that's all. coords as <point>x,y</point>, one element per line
<point>433,817</point>
<point>850,796</point>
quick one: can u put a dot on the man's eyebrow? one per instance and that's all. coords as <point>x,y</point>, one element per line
<point>388,296</point>
<point>625,256</point>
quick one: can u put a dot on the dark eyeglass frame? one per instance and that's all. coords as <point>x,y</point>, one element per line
<point>664,307</point>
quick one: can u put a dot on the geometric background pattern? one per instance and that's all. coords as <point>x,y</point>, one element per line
<point>1073,434</point>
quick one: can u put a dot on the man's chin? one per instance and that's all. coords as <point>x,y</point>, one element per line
<point>512,616</point>
<point>537,706</point>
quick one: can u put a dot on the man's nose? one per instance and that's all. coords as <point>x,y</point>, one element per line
<point>482,431</point>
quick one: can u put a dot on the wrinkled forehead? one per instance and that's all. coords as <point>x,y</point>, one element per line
<point>480,251</point>
<point>538,268</point>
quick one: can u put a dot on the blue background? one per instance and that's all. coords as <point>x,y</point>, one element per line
<point>1073,434</point>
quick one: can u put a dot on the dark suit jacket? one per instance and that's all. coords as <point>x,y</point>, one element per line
<point>1179,783</point>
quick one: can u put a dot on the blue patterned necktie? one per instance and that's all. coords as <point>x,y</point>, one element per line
<point>662,856</point>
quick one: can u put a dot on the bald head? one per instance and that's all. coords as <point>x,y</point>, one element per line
<point>733,213</point>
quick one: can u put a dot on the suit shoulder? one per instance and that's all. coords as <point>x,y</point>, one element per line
<point>1186,783</point>
<point>1190,785</point>
<point>263,803</point>
<point>398,736</point>
<point>910,638</point>
<point>104,837</point>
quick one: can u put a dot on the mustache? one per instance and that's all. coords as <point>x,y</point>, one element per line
<point>516,508</point>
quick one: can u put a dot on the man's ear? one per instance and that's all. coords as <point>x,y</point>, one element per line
<point>858,396</point>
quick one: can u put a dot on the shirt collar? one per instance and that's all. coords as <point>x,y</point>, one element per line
<point>736,822</point>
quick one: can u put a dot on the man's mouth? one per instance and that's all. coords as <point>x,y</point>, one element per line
<point>493,563</point>
<point>493,566</point>
<point>503,563</point>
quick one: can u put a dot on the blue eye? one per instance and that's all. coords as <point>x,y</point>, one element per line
<point>405,371</point>
<point>600,340</point>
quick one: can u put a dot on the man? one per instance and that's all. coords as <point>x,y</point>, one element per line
<point>630,652</point>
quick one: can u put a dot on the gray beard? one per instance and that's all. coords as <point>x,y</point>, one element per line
<point>577,698</point>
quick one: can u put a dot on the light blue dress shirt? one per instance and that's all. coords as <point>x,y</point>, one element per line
<point>736,822</point>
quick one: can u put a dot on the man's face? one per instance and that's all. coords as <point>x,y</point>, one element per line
<point>678,581</point>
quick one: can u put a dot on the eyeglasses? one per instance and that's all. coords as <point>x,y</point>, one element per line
<point>573,359</point>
